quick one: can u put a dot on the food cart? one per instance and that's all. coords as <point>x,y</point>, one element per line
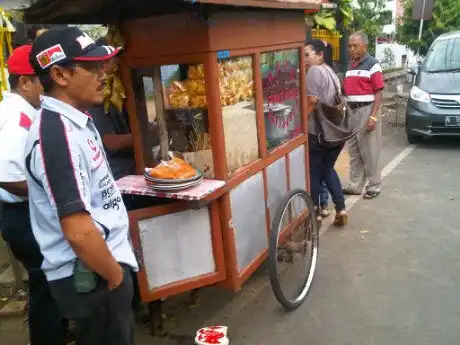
<point>223,88</point>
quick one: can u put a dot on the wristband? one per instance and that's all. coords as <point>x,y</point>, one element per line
<point>373,118</point>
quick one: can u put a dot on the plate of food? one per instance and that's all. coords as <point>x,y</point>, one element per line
<point>173,174</point>
<point>173,187</point>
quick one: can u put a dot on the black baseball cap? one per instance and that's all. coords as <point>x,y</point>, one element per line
<point>60,46</point>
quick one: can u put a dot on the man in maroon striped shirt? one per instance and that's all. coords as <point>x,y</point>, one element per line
<point>363,85</point>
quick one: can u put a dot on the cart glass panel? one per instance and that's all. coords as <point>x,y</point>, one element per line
<point>281,93</point>
<point>174,97</point>
<point>238,111</point>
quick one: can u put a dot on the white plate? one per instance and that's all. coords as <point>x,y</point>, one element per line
<point>176,187</point>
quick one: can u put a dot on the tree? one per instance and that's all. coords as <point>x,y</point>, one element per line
<point>369,16</point>
<point>445,19</point>
<point>389,60</point>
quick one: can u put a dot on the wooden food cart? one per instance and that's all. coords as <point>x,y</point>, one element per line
<point>223,87</point>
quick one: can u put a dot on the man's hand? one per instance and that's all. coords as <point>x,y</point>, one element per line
<point>371,123</point>
<point>90,247</point>
<point>116,280</point>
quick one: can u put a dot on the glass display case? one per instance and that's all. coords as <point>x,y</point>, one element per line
<point>181,101</point>
<point>281,94</point>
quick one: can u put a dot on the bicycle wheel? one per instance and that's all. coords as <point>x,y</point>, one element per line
<point>293,249</point>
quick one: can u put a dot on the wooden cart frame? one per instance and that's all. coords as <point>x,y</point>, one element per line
<point>229,33</point>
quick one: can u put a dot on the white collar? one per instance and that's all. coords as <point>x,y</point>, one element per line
<point>65,110</point>
<point>17,98</point>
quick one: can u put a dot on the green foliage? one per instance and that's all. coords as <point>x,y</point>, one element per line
<point>368,18</point>
<point>326,18</point>
<point>94,31</point>
<point>445,19</point>
<point>346,10</point>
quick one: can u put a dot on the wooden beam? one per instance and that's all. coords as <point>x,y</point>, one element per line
<point>279,4</point>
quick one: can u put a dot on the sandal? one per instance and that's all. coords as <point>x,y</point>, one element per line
<point>319,223</point>
<point>371,194</point>
<point>325,212</point>
<point>319,219</point>
<point>341,219</point>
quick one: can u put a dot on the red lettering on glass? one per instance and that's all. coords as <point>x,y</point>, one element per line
<point>286,65</point>
<point>292,74</point>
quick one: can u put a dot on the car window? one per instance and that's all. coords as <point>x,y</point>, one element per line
<point>444,55</point>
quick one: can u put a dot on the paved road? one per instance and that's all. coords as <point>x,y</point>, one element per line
<point>390,278</point>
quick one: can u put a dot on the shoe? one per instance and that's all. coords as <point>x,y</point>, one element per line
<point>341,219</point>
<point>325,212</point>
<point>371,194</point>
<point>349,191</point>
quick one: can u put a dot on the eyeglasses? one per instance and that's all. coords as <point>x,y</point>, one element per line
<point>90,66</point>
<point>309,54</point>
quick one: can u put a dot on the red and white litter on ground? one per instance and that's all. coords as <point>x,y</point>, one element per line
<point>212,335</point>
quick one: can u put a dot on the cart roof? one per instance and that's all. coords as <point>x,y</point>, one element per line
<point>110,11</point>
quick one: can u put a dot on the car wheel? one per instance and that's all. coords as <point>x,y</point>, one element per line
<point>413,139</point>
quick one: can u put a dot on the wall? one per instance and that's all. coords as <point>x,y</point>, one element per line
<point>391,6</point>
<point>398,51</point>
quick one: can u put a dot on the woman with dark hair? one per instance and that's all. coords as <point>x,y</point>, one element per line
<point>324,194</point>
<point>322,87</point>
<point>328,54</point>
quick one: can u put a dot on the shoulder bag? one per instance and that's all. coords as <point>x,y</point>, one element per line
<point>333,123</point>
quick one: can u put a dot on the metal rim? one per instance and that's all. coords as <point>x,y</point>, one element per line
<point>311,241</point>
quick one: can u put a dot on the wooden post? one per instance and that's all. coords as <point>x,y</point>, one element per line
<point>160,114</point>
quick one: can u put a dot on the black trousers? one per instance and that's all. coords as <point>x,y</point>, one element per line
<point>102,317</point>
<point>46,325</point>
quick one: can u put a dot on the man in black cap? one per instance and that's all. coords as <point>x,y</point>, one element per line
<point>78,216</point>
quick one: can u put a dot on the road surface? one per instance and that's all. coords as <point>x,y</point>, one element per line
<point>391,277</point>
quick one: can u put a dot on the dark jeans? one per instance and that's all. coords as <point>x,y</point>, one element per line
<point>323,195</point>
<point>102,317</point>
<point>46,325</point>
<point>322,161</point>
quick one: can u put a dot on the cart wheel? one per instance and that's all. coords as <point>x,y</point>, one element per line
<point>293,249</point>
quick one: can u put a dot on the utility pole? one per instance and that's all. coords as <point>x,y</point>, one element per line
<point>420,30</point>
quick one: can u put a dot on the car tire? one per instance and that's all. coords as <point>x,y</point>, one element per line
<point>413,139</point>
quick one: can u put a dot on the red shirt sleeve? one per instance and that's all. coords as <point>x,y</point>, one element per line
<point>378,83</point>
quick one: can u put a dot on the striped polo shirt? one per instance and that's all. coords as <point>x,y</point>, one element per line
<point>67,172</point>
<point>363,80</point>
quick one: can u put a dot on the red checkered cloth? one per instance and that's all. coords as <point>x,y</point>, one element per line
<point>135,184</point>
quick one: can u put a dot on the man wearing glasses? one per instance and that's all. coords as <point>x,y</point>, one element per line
<point>77,213</point>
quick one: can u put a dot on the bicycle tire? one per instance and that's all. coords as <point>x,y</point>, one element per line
<point>287,303</point>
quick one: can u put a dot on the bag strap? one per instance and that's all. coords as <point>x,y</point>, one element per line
<point>334,80</point>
